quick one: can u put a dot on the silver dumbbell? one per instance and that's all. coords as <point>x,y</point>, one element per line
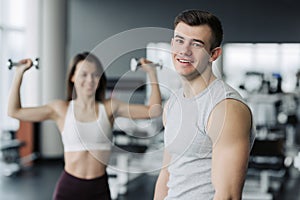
<point>11,64</point>
<point>135,64</point>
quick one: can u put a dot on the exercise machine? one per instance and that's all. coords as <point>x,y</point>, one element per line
<point>11,162</point>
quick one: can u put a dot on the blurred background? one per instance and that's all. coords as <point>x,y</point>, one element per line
<point>261,59</point>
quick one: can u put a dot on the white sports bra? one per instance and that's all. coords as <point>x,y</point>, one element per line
<point>85,136</point>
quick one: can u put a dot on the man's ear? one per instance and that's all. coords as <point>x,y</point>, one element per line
<point>215,53</point>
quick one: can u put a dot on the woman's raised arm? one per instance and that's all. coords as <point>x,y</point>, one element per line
<point>15,108</point>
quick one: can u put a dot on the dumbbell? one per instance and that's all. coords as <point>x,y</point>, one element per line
<point>11,64</point>
<point>135,64</point>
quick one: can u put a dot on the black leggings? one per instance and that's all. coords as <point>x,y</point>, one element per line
<point>72,188</point>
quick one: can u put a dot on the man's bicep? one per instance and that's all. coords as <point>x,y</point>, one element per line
<point>229,166</point>
<point>230,125</point>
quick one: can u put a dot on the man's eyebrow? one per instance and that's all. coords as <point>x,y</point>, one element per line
<point>194,40</point>
<point>178,36</point>
<point>200,41</point>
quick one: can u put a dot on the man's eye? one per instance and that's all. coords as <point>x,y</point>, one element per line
<point>179,41</point>
<point>197,45</point>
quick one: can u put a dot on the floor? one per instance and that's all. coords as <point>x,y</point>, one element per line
<point>39,181</point>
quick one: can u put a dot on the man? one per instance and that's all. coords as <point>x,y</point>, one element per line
<point>208,126</point>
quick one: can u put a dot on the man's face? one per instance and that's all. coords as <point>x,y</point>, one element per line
<point>191,49</point>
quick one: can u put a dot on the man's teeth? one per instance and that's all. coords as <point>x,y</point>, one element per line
<point>184,61</point>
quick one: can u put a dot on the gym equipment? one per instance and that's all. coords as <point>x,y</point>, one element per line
<point>297,161</point>
<point>135,64</point>
<point>274,150</point>
<point>10,161</point>
<point>11,64</point>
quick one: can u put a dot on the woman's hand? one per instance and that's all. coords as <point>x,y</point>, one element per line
<point>24,65</point>
<point>147,65</point>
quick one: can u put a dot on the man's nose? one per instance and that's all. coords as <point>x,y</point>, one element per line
<point>185,49</point>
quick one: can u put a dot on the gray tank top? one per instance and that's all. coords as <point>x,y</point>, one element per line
<point>188,143</point>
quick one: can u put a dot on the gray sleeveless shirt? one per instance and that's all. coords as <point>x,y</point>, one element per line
<point>188,143</point>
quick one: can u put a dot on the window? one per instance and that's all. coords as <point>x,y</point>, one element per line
<point>267,58</point>
<point>12,45</point>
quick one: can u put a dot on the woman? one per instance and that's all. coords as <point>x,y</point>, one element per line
<point>85,122</point>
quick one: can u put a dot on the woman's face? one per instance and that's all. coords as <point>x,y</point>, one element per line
<point>86,78</point>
